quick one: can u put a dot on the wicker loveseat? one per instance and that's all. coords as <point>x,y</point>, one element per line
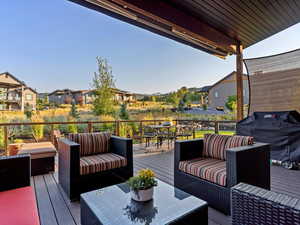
<point>209,167</point>
<point>254,205</point>
<point>89,161</point>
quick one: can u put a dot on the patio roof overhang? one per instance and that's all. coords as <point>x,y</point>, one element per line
<point>218,27</point>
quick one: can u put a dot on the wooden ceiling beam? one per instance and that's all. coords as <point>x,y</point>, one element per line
<point>161,16</point>
<point>181,22</point>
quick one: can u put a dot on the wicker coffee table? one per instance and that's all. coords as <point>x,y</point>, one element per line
<point>113,205</point>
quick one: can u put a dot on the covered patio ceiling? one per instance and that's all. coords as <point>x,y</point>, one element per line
<point>218,27</point>
<point>214,26</point>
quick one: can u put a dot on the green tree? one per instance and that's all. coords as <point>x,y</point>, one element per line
<point>231,103</point>
<point>181,105</point>
<point>103,83</point>
<point>173,99</point>
<point>74,112</point>
<point>123,112</point>
<point>153,98</point>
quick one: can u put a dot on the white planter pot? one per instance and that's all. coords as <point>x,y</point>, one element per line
<point>142,195</point>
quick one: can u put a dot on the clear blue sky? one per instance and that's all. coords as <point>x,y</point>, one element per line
<point>53,44</point>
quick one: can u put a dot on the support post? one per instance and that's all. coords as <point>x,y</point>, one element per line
<point>239,82</point>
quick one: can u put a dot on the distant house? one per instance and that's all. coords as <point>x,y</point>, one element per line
<point>15,94</point>
<point>221,90</point>
<point>204,94</point>
<point>67,96</point>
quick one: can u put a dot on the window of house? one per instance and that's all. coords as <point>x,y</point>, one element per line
<point>216,94</point>
<point>28,97</point>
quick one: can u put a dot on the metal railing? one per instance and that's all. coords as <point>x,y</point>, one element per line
<point>117,126</point>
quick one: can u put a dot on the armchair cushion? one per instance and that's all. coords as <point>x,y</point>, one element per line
<point>238,141</point>
<point>214,146</point>
<point>213,170</point>
<point>101,162</point>
<point>91,143</point>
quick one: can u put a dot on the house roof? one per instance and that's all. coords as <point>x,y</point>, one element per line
<point>216,27</point>
<point>13,77</point>
<point>224,78</point>
<point>63,91</point>
<point>204,88</point>
<point>19,81</point>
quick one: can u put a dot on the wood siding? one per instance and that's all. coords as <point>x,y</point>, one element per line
<point>224,89</point>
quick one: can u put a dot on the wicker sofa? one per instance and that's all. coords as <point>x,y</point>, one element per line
<point>254,205</point>
<point>89,161</point>
<point>209,167</point>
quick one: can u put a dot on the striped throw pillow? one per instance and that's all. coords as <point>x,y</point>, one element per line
<point>91,143</point>
<point>238,141</point>
<point>214,146</point>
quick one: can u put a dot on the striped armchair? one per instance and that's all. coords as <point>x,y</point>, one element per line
<point>89,161</point>
<point>209,167</point>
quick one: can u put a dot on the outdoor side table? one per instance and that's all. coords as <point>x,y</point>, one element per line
<point>42,156</point>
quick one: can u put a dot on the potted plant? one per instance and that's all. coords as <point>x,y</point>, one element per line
<point>141,186</point>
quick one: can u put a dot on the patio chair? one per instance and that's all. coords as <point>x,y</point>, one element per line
<point>88,161</point>
<point>209,167</point>
<point>254,205</point>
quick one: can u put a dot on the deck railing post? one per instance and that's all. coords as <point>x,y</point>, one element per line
<point>90,127</point>
<point>141,132</point>
<point>117,130</point>
<point>216,127</point>
<point>194,131</point>
<point>5,139</point>
<point>52,134</point>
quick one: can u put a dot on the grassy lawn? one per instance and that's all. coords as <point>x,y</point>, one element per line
<point>200,133</point>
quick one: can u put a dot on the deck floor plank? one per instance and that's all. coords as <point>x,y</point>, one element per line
<point>45,207</point>
<point>55,207</point>
<point>74,207</point>
<point>61,210</point>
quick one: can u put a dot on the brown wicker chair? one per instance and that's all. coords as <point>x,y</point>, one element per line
<point>90,161</point>
<point>254,205</point>
<point>211,179</point>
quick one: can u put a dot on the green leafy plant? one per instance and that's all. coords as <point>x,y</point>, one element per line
<point>74,112</point>
<point>123,112</point>
<point>231,103</point>
<point>103,83</point>
<point>37,130</point>
<point>144,180</point>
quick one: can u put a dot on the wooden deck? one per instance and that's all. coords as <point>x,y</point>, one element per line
<point>56,209</point>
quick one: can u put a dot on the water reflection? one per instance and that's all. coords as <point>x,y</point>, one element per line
<point>141,212</point>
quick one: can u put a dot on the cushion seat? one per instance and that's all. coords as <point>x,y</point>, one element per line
<point>18,207</point>
<point>101,162</point>
<point>213,170</point>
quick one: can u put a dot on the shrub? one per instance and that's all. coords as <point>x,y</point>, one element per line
<point>37,130</point>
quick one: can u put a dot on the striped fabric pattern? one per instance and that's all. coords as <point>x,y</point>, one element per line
<point>238,141</point>
<point>91,143</point>
<point>101,162</point>
<point>214,146</point>
<point>213,170</point>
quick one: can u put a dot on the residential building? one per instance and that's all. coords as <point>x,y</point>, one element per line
<point>221,90</point>
<point>66,96</point>
<point>15,94</point>
<point>203,91</point>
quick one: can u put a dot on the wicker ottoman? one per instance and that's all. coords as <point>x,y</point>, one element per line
<point>42,156</point>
